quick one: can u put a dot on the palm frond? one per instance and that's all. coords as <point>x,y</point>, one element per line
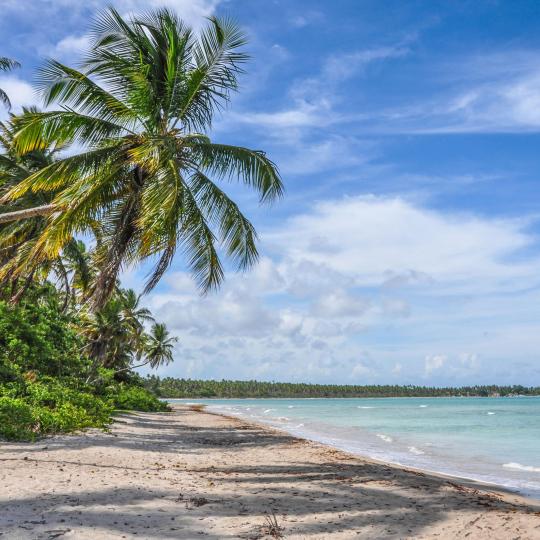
<point>228,162</point>
<point>237,233</point>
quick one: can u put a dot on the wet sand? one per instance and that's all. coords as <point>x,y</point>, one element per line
<point>192,474</point>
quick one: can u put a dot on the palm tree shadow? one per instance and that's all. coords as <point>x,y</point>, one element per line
<point>335,494</point>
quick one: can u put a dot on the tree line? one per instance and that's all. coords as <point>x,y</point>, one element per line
<point>169,387</point>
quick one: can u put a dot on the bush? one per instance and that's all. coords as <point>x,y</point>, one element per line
<point>17,421</point>
<point>137,399</point>
<point>47,408</point>
<point>43,373</point>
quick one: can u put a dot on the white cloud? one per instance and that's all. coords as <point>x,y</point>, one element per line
<point>325,306</point>
<point>70,47</point>
<point>434,363</point>
<point>339,303</point>
<point>397,369</point>
<point>314,97</point>
<point>191,11</point>
<point>371,238</point>
<point>19,91</point>
<point>495,92</point>
<point>306,18</point>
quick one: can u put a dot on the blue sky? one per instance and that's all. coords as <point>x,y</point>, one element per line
<point>407,247</point>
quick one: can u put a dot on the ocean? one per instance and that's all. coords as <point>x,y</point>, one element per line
<point>492,440</point>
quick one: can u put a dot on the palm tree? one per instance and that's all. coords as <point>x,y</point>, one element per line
<point>78,263</point>
<point>160,346</point>
<point>6,64</point>
<point>134,315</point>
<point>108,337</point>
<point>141,104</point>
<point>18,238</point>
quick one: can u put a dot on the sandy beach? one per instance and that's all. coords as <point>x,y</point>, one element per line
<point>192,474</point>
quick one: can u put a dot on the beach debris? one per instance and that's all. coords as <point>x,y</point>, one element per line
<point>192,501</point>
<point>197,407</point>
<point>56,533</point>
<point>271,526</point>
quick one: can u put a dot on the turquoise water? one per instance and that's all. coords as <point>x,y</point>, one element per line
<point>494,440</point>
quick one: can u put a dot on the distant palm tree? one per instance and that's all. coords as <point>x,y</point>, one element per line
<point>141,106</point>
<point>6,64</point>
<point>107,335</point>
<point>160,346</point>
<point>134,315</point>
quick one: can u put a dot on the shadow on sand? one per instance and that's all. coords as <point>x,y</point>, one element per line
<point>337,494</point>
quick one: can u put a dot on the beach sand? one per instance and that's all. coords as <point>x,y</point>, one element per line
<point>191,474</point>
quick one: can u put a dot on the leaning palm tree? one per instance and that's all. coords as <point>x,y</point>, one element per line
<point>18,238</point>
<point>141,105</point>
<point>6,64</point>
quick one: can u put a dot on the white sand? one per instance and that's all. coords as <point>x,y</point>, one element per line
<point>193,475</point>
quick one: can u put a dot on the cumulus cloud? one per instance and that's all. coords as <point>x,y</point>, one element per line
<point>69,47</point>
<point>372,238</point>
<point>323,303</point>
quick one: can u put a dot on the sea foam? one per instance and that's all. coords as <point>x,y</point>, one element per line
<point>520,467</point>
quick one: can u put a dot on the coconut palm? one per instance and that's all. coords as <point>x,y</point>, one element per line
<point>134,315</point>
<point>18,238</point>
<point>6,64</point>
<point>160,346</point>
<point>141,105</point>
<point>108,337</point>
<point>78,263</point>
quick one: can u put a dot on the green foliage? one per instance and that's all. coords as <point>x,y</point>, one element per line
<point>187,388</point>
<point>17,420</point>
<point>138,399</point>
<point>44,373</point>
<point>48,407</point>
<point>37,336</point>
<point>148,180</point>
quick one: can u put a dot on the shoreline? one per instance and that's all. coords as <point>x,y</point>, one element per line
<point>480,485</point>
<point>345,446</point>
<point>189,473</point>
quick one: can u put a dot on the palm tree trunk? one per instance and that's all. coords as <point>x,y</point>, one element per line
<point>44,210</point>
<point>129,368</point>
<point>15,299</point>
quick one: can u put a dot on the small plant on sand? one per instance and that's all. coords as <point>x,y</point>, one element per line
<point>271,526</point>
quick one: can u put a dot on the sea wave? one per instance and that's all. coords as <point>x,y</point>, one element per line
<point>384,437</point>
<point>520,467</point>
<point>490,413</point>
<point>268,410</point>
<point>417,451</point>
<point>365,407</point>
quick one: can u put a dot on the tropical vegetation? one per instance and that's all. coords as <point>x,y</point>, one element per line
<point>117,170</point>
<point>169,387</point>
<point>144,183</point>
